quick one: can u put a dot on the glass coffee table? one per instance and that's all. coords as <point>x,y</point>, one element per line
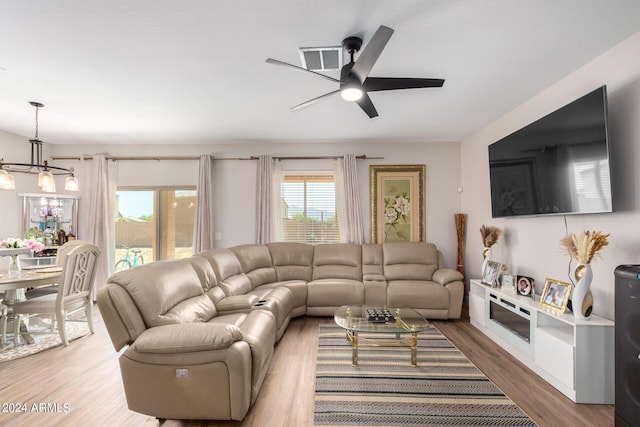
<point>404,323</point>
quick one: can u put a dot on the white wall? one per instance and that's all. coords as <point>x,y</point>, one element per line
<point>531,245</point>
<point>235,180</point>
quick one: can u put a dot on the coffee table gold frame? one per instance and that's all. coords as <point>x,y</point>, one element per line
<point>407,322</point>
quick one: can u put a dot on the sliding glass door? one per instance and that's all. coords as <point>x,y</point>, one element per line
<point>153,224</point>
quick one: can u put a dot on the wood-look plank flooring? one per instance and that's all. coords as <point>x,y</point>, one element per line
<point>83,379</point>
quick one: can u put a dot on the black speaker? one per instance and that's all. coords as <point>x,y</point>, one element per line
<point>627,357</point>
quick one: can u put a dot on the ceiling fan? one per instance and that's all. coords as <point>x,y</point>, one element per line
<point>355,82</point>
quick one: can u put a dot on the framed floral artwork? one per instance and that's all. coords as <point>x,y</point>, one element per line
<point>397,203</point>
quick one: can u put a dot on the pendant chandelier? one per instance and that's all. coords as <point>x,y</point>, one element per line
<point>45,172</point>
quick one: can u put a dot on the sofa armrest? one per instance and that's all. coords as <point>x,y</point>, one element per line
<point>446,275</point>
<point>235,303</point>
<point>186,338</point>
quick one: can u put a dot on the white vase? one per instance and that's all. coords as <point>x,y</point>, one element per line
<point>486,254</point>
<point>14,265</point>
<point>581,297</point>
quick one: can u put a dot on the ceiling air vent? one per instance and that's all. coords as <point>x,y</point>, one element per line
<point>321,58</point>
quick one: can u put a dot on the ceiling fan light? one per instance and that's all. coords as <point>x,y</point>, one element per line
<point>7,181</point>
<point>351,92</point>
<point>46,182</point>
<point>71,183</point>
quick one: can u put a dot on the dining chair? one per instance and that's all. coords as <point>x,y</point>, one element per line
<point>74,291</point>
<point>61,255</point>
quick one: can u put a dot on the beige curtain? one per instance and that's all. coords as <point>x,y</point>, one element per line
<point>264,200</point>
<point>203,230</point>
<point>97,211</point>
<point>348,200</point>
<point>276,191</point>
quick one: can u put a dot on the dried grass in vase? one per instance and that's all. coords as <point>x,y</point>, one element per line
<point>490,235</point>
<point>584,245</point>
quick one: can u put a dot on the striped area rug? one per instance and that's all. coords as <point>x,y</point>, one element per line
<point>445,389</point>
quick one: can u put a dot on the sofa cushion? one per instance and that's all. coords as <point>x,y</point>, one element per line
<point>337,261</point>
<point>166,292</point>
<point>372,259</point>
<point>238,284</point>
<point>334,292</point>
<point>409,260</point>
<point>417,294</point>
<point>186,338</point>
<point>236,303</point>
<point>227,269</point>
<point>297,287</point>
<point>255,261</point>
<point>292,261</point>
<point>204,270</point>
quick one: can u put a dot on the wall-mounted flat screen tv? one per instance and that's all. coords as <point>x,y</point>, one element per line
<point>556,165</point>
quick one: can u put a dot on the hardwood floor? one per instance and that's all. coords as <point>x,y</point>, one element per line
<point>83,379</point>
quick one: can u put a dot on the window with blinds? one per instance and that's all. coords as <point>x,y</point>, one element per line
<point>592,185</point>
<point>309,209</point>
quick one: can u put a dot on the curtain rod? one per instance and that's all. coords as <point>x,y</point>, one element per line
<point>362,157</point>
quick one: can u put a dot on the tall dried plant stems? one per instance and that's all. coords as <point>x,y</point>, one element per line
<point>461,219</point>
<point>567,243</point>
<point>584,245</point>
<point>490,235</point>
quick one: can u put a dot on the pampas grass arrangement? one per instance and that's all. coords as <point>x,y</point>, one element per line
<point>460,219</point>
<point>490,235</point>
<point>584,245</point>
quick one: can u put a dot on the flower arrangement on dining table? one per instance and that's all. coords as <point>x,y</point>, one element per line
<point>14,243</point>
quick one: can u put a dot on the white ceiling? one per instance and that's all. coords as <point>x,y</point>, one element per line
<point>168,71</point>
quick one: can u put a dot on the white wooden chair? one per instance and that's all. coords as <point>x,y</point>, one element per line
<point>61,255</point>
<point>74,291</point>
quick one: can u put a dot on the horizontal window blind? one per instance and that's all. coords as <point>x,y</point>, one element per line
<point>591,180</point>
<point>309,209</point>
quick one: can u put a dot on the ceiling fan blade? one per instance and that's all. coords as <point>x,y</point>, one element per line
<point>295,67</point>
<point>313,101</point>
<point>371,52</point>
<point>372,84</point>
<point>367,106</point>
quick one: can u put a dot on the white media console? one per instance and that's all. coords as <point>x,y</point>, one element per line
<point>575,356</point>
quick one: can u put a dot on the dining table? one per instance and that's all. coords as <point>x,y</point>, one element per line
<point>14,286</point>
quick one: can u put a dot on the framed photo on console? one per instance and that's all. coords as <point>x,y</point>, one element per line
<point>555,295</point>
<point>507,280</point>
<point>491,273</point>
<point>525,285</point>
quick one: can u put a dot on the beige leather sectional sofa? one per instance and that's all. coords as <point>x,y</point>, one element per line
<point>201,331</point>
